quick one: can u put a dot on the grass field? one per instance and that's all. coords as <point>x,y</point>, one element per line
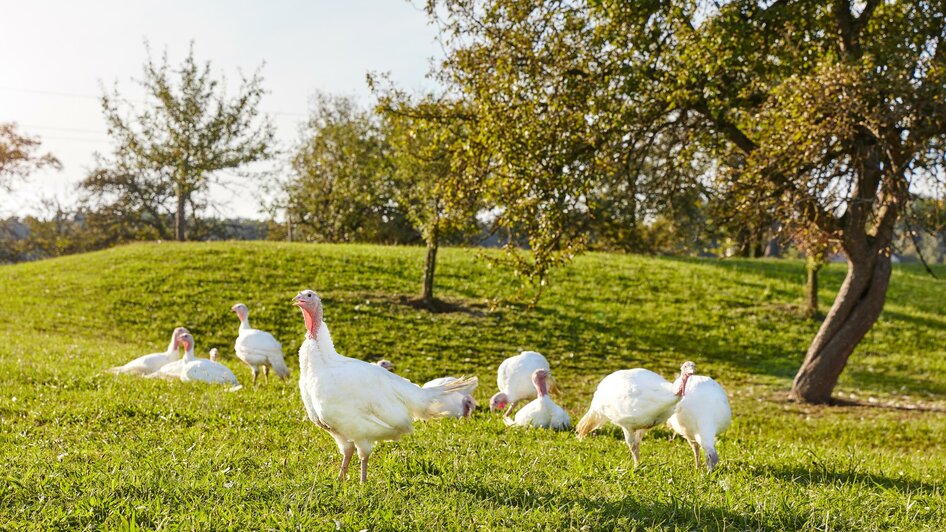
<point>85,449</point>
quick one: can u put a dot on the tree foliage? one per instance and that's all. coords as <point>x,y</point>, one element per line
<point>171,148</point>
<point>19,157</point>
<point>436,174</point>
<point>342,186</point>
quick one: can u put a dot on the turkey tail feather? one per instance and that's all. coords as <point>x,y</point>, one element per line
<point>279,366</point>
<point>435,406</point>
<point>589,422</point>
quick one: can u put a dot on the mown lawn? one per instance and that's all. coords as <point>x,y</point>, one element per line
<point>86,449</point>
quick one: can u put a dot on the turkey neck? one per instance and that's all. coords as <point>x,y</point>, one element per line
<point>320,351</point>
<point>189,355</point>
<point>683,385</point>
<point>245,324</point>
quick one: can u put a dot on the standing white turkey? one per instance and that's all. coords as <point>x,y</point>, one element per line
<point>635,400</point>
<point>202,369</point>
<point>258,348</point>
<point>357,402</point>
<point>148,364</point>
<point>701,415</point>
<point>514,378</point>
<point>458,404</point>
<point>541,412</point>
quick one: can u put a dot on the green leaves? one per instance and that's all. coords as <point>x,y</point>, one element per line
<point>170,149</point>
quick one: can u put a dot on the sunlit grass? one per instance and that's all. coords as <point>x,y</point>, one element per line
<point>86,449</point>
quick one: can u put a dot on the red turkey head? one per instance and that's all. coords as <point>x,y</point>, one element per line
<point>311,306</point>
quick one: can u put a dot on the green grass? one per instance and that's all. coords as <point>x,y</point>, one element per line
<point>85,449</point>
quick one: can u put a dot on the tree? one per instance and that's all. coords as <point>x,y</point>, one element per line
<point>341,188</point>
<point>533,120</point>
<point>436,177</point>
<point>822,114</point>
<point>170,148</point>
<point>18,156</point>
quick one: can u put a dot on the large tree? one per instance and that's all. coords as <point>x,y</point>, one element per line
<point>19,156</point>
<point>824,114</point>
<point>171,147</point>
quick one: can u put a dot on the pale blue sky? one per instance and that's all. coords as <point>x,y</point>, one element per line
<point>54,54</point>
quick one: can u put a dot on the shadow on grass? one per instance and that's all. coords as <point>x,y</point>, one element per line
<point>887,405</point>
<point>674,513</point>
<point>822,475</point>
<point>438,306</point>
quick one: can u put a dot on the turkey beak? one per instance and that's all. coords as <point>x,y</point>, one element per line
<point>297,301</point>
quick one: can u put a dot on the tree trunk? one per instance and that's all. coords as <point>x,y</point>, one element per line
<point>430,263</point>
<point>179,220</point>
<point>856,308</point>
<point>811,289</point>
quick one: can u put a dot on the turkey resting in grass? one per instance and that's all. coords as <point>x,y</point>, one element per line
<point>541,412</point>
<point>258,349</point>
<point>701,415</point>
<point>514,378</point>
<point>148,364</point>
<point>202,369</point>
<point>357,402</point>
<point>635,400</point>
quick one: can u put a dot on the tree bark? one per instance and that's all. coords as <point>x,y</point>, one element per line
<point>179,221</point>
<point>430,264</point>
<point>811,289</point>
<point>856,308</point>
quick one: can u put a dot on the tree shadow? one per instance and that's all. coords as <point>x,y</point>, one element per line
<point>886,405</point>
<point>440,306</point>
<point>820,474</point>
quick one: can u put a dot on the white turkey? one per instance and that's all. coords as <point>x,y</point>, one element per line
<point>514,378</point>
<point>541,412</point>
<point>148,364</point>
<point>172,370</point>
<point>258,349</point>
<point>202,369</point>
<point>357,402</point>
<point>701,415</point>
<point>635,400</point>
<point>458,404</point>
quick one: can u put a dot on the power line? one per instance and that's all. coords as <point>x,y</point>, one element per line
<point>49,93</point>
<point>78,139</point>
<point>44,92</point>
<point>57,128</point>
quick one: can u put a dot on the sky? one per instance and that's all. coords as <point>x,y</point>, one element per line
<point>56,56</point>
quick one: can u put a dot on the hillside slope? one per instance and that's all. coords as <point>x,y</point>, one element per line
<point>86,448</point>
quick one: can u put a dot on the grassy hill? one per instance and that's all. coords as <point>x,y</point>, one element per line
<point>86,449</point>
